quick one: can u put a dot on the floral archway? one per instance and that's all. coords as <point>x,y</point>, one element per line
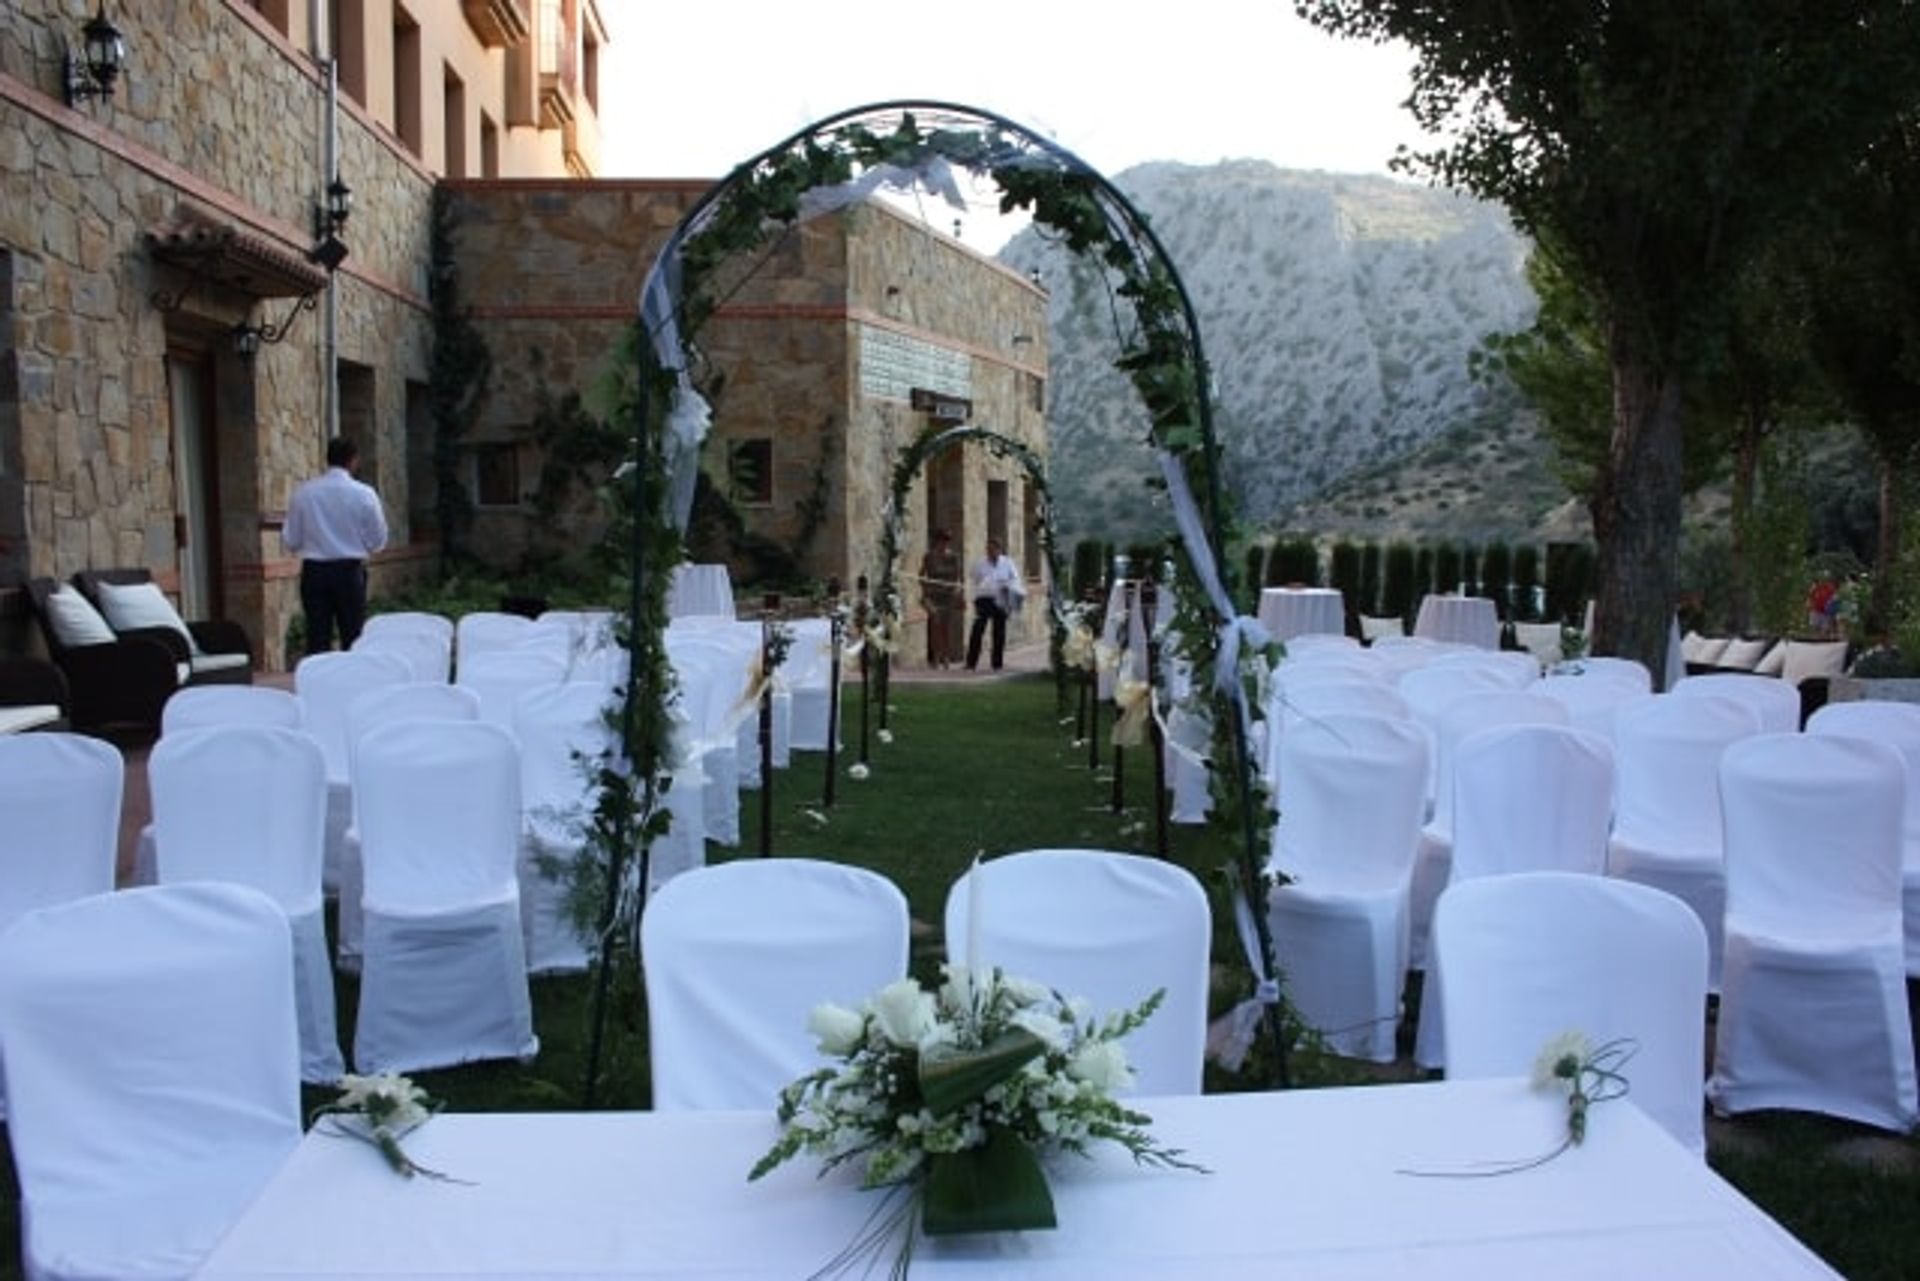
<point>831,163</point>
<point>923,449</point>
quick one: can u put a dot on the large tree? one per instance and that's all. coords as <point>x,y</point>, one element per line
<point>1656,147</point>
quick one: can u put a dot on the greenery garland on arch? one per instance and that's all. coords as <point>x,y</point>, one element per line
<point>925,447</point>
<point>767,196</point>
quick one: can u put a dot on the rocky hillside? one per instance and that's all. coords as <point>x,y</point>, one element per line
<point>1337,312</point>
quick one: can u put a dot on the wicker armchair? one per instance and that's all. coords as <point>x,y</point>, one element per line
<point>222,643</point>
<point>116,685</point>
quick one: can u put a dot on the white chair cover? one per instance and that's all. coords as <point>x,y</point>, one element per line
<point>418,701</point>
<point>436,625</point>
<point>1460,717</point>
<point>1313,699</point>
<point>59,837</point>
<point>1897,725</point>
<point>1666,826</point>
<point>1516,669</point>
<point>501,676</point>
<point>429,657</point>
<point>445,976</point>
<point>1111,928</point>
<point>1311,642</point>
<point>152,1060</point>
<point>1777,702</point>
<point>485,631</point>
<point>1813,1001</point>
<point>1526,798</point>
<point>59,821</point>
<point>563,734</point>
<point>736,956</point>
<point>247,804</point>
<point>198,706</point>
<point>807,672</point>
<point>1591,704</point>
<point>1542,640</point>
<point>326,685</point>
<point>712,681</point>
<point>704,590</point>
<point>1355,787</point>
<point>1628,671</point>
<point>1526,957</point>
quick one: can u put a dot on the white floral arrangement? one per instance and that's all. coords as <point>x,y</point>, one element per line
<point>939,1094</point>
<point>380,1110</point>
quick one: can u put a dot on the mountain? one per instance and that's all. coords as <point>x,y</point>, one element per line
<point>1336,311</point>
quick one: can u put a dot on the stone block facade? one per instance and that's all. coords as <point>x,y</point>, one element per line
<point>132,432</point>
<point>553,275</point>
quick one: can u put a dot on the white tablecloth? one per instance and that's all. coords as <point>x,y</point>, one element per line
<point>1302,1184</point>
<point>1467,620</point>
<point>700,590</point>
<point>1287,612</point>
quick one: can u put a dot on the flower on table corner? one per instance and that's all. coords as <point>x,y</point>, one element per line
<point>387,1106</point>
<point>858,771</point>
<point>1568,1063</point>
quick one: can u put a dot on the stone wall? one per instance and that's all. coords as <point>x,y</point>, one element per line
<point>552,276</point>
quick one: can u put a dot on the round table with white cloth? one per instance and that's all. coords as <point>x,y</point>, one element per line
<point>1287,612</point>
<point>1469,620</point>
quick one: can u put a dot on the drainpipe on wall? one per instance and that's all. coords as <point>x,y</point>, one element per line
<point>330,330</point>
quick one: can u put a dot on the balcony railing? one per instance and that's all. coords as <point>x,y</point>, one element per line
<point>559,61</point>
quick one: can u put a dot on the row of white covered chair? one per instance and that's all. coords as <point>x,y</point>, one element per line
<point>1342,927</point>
<point>738,953</point>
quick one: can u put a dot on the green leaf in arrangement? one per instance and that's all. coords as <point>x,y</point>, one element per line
<point>949,1081</point>
<point>997,1187</point>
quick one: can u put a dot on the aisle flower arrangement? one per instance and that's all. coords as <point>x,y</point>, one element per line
<point>946,1098</point>
<point>380,1110</point>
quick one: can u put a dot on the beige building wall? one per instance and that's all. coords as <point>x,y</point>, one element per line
<point>220,115</point>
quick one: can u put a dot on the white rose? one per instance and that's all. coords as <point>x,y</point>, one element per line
<point>836,1029</point>
<point>1044,1026</point>
<point>1026,991</point>
<point>1103,1065</point>
<point>904,1012</point>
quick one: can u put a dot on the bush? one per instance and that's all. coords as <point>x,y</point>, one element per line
<point>1295,559</point>
<point>1526,579</point>
<point>1496,576</point>
<point>1422,572</point>
<point>1449,569</point>
<point>1570,575</point>
<point>1256,571</point>
<point>1397,599</point>
<point>1369,602</point>
<point>1344,572</point>
<point>1089,568</point>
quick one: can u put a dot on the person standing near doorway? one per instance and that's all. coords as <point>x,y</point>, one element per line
<point>940,588</point>
<point>334,523</point>
<point>995,579</point>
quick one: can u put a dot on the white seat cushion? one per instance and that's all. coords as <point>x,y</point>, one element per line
<point>137,605</point>
<point>1744,655</point>
<point>75,621</point>
<point>1805,659</point>
<point>216,662</point>
<point>1708,650</point>
<point>1773,662</point>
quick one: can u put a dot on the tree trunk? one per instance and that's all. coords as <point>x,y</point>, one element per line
<point>1746,467</point>
<point>1886,555</point>
<point>1636,512</point>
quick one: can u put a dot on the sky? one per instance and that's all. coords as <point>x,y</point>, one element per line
<point>689,90</point>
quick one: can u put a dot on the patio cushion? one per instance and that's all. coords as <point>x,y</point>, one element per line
<point>133,606</point>
<point>1742,655</point>
<point>1806,659</point>
<point>1775,660</point>
<point>74,620</point>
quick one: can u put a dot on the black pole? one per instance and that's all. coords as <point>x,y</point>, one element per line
<point>766,729</point>
<point>883,663</point>
<point>1156,739</point>
<point>1080,712</point>
<point>866,666</point>
<point>1119,799</point>
<point>833,696</point>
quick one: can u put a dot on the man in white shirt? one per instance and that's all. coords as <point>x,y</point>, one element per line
<point>995,584</point>
<point>333,524</point>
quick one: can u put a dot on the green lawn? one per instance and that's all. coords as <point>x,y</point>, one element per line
<point>988,767</point>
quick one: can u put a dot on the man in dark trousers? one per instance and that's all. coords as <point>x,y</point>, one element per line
<point>333,524</point>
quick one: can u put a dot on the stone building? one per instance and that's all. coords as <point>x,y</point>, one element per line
<point>819,356</point>
<point>174,349</point>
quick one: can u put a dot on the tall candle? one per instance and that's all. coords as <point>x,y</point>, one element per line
<point>975,909</point>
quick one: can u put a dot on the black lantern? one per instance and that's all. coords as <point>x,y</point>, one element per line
<point>329,216</point>
<point>103,53</point>
<point>339,203</point>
